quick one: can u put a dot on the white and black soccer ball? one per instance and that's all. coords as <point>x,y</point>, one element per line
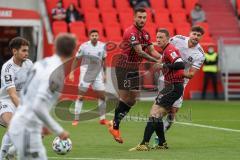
<point>62,146</point>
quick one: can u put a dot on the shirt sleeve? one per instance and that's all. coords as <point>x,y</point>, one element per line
<point>79,52</point>
<point>173,40</point>
<point>104,51</point>
<point>172,56</point>
<point>199,62</point>
<point>133,39</point>
<point>7,78</point>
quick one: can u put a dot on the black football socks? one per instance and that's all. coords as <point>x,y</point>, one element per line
<point>120,112</point>
<point>149,129</point>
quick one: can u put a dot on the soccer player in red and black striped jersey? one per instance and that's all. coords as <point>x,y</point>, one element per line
<point>173,70</point>
<point>136,46</point>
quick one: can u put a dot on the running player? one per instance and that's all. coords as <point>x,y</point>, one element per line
<point>173,72</point>
<point>13,77</point>
<point>135,47</point>
<point>92,54</point>
<point>42,89</point>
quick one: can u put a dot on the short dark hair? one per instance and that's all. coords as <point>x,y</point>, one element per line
<point>93,31</point>
<point>198,29</point>
<point>17,42</point>
<point>165,31</point>
<point>140,9</point>
<point>65,44</point>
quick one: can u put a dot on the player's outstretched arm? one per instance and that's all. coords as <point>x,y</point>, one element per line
<point>140,52</point>
<point>40,108</point>
<point>13,95</point>
<point>74,65</point>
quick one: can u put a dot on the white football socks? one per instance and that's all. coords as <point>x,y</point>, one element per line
<point>102,109</point>
<point>78,108</point>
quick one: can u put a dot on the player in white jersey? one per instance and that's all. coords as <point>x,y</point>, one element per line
<point>92,55</point>
<point>193,56</point>
<point>13,77</point>
<point>41,92</point>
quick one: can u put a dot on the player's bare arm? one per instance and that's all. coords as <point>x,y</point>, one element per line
<point>190,74</point>
<point>140,52</point>
<point>74,65</point>
<point>13,95</point>
<point>153,52</point>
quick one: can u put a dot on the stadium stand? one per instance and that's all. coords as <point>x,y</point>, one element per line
<point>112,17</point>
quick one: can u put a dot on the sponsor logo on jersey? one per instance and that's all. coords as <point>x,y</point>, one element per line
<point>190,59</point>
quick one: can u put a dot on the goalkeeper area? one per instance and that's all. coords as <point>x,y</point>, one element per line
<point>203,130</point>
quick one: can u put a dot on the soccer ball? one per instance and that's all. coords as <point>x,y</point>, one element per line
<point>62,146</point>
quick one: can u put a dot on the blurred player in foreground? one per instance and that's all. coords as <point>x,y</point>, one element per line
<point>173,71</point>
<point>92,54</point>
<point>13,77</point>
<point>41,92</point>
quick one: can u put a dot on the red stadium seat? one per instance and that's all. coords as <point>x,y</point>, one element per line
<point>109,18</point>
<point>179,17</point>
<point>105,5</point>
<point>66,3</point>
<point>96,25</point>
<point>50,5</point>
<point>152,31</point>
<point>113,33</point>
<point>189,5</point>
<point>174,4</point>
<point>59,27</point>
<point>183,28</point>
<point>207,39</point>
<point>125,25</point>
<point>168,26</point>
<point>238,7</point>
<point>122,4</point>
<point>125,22</point>
<point>91,17</point>
<point>161,10</point>
<point>161,17</point>
<point>158,4</point>
<point>78,28</point>
<point>87,4</point>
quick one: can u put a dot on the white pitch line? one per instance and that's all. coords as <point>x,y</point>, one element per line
<point>184,123</point>
<point>72,158</point>
<point>192,124</point>
<point>207,126</point>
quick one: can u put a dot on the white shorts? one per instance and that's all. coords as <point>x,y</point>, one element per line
<point>178,103</point>
<point>97,84</point>
<point>28,143</point>
<point>6,106</point>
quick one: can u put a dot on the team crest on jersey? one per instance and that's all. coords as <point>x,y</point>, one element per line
<point>190,59</point>
<point>133,38</point>
<point>8,79</point>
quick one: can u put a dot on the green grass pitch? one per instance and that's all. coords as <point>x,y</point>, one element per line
<point>92,141</point>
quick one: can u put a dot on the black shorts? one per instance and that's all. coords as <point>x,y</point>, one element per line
<point>127,79</point>
<point>169,95</point>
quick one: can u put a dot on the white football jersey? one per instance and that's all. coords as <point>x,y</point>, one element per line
<point>91,60</point>
<point>192,57</point>
<point>44,83</point>
<point>13,75</point>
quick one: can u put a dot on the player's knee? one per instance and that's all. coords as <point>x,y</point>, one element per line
<point>131,102</point>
